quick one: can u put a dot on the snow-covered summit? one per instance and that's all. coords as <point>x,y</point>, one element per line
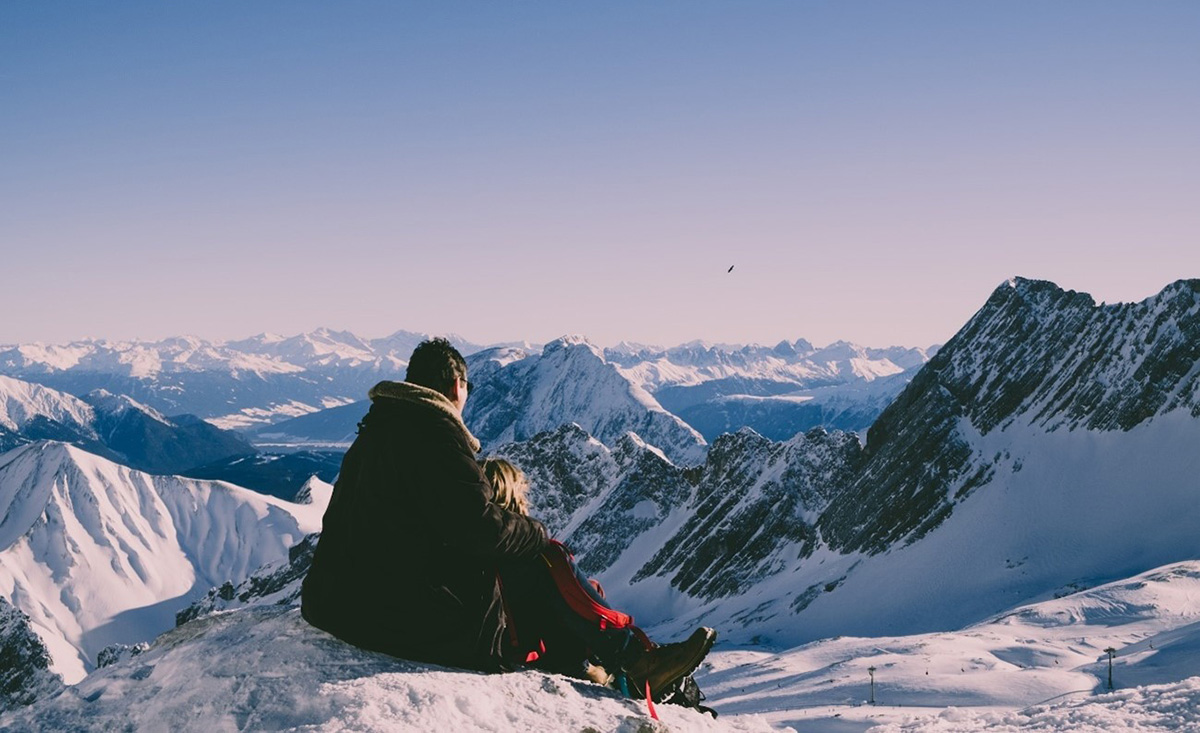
<point>315,491</point>
<point>570,382</point>
<point>21,402</point>
<point>569,341</point>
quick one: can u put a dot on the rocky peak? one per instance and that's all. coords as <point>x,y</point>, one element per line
<point>1035,354</point>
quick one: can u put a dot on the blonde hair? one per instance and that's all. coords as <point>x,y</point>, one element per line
<point>509,483</point>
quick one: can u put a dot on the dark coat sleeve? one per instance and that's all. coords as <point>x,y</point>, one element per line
<point>459,495</point>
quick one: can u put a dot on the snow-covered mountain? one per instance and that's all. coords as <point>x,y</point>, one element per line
<point>24,404</point>
<point>254,383</point>
<point>95,553</point>
<point>263,354</point>
<point>114,426</point>
<point>569,382</point>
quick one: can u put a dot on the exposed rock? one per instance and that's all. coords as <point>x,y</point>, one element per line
<point>25,675</point>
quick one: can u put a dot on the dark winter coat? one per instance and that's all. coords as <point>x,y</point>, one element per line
<point>411,539</point>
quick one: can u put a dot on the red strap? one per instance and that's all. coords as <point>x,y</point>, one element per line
<point>576,597</point>
<point>650,702</point>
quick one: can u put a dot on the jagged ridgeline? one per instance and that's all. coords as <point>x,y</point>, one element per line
<point>713,529</point>
<point>1034,354</point>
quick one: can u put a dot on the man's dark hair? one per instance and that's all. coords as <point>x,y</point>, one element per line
<point>436,364</point>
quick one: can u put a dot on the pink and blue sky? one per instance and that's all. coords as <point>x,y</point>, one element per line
<point>522,170</point>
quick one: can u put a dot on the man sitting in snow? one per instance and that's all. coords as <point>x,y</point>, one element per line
<point>407,559</point>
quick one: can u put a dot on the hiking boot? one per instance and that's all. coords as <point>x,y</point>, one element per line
<point>665,665</point>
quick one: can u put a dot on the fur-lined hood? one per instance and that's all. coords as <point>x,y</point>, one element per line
<point>416,394</point>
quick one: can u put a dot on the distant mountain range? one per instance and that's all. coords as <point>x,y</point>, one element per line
<point>676,399</point>
<point>237,384</point>
<point>307,391</point>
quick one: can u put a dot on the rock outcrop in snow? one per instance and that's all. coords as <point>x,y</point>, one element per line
<point>25,674</point>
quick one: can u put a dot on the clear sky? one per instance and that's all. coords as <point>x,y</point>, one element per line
<point>521,170</point>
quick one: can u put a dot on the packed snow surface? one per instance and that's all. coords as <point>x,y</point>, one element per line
<point>1037,667</point>
<point>264,668</point>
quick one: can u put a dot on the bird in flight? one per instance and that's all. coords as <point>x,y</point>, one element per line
<point>729,270</point>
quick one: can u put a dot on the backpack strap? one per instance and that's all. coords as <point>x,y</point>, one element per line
<point>580,601</point>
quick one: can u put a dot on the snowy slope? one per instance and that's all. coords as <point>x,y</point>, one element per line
<point>1037,667</point>
<point>1060,511</point>
<point>266,669</point>
<point>96,553</point>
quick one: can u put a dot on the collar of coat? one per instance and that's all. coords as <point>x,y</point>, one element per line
<point>416,394</point>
